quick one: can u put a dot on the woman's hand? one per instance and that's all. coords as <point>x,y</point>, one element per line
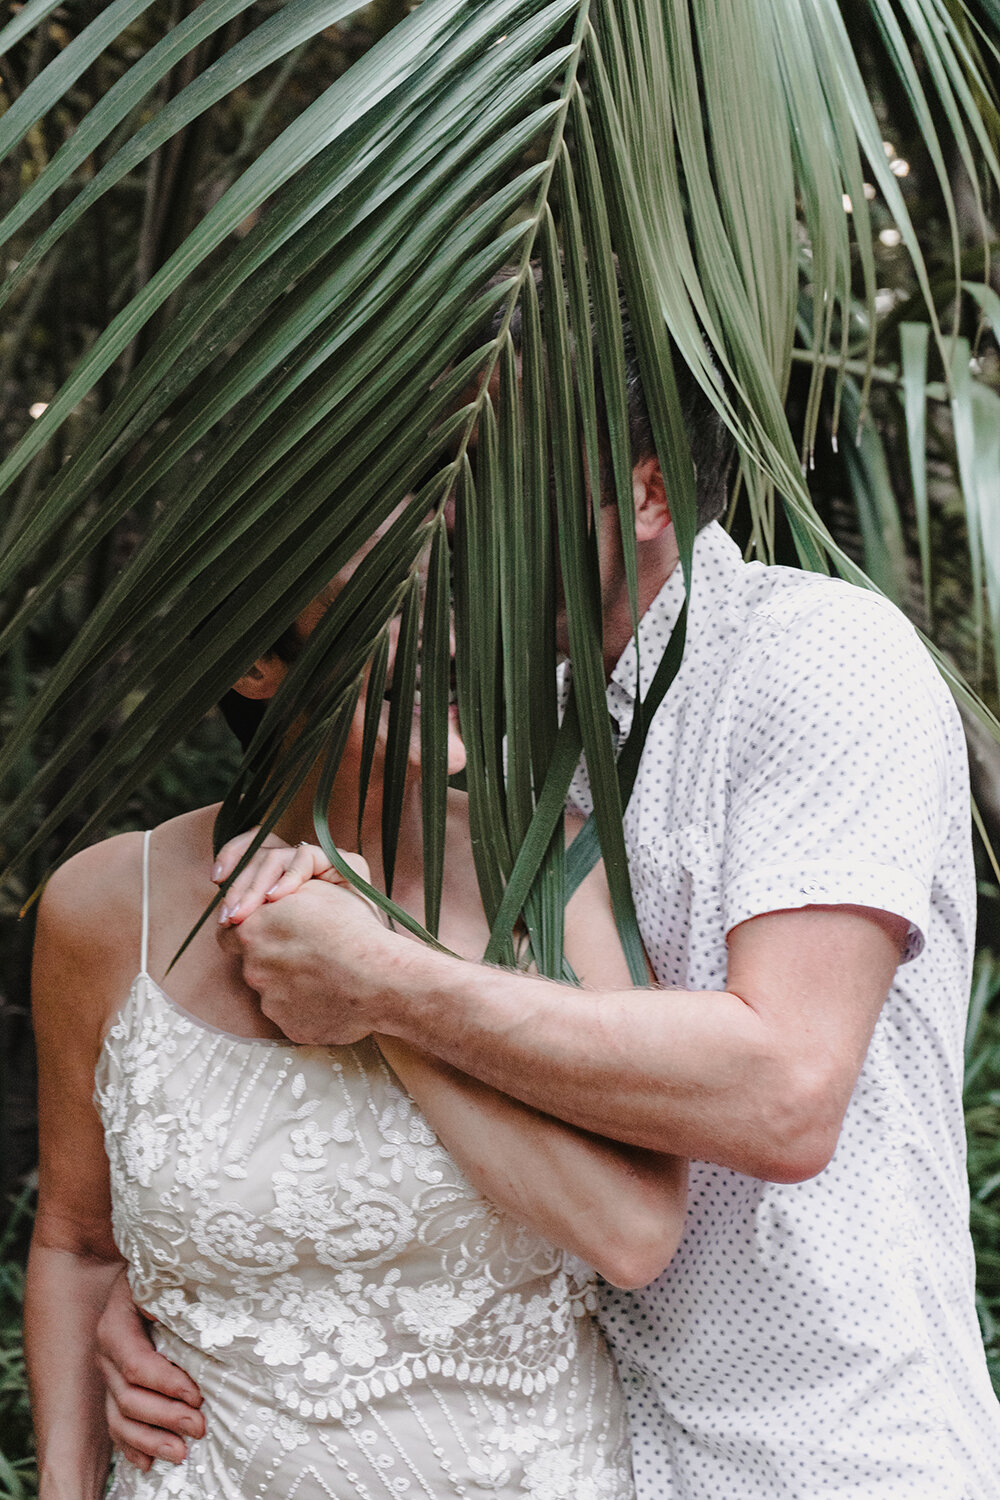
<point>276,870</point>
<point>289,948</point>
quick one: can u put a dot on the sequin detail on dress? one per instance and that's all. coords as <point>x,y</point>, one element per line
<point>361,1321</point>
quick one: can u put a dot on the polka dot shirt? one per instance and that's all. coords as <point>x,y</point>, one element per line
<point>818,1338</point>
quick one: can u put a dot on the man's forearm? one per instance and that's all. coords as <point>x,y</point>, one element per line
<point>688,1073</point>
<point>756,1076</point>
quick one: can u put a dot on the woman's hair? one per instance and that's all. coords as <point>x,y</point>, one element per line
<point>243,715</point>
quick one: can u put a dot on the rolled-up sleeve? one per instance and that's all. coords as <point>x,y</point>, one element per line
<point>838,763</point>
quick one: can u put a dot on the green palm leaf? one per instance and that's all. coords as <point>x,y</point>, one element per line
<point>356,346</point>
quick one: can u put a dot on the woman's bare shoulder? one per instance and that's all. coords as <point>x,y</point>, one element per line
<point>98,885</point>
<point>87,941</point>
<point>94,899</point>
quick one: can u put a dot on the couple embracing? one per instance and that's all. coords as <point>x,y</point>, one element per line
<point>362,1187</point>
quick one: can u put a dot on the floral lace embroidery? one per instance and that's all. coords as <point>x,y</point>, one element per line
<point>361,1321</point>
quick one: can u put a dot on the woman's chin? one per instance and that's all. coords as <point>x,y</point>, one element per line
<point>456,745</point>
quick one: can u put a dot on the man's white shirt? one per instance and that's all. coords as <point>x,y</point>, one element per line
<point>818,1338</point>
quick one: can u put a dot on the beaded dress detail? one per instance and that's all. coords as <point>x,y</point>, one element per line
<point>361,1321</point>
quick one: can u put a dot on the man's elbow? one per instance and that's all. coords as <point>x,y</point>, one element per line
<point>800,1125</point>
<point>792,1161</point>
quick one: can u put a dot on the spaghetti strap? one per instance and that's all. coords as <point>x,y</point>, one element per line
<point>144,952</point>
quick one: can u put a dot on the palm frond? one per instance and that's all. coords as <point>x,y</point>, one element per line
<point>353,346</point>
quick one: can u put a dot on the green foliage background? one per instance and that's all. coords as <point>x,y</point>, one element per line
<point>861,488</point>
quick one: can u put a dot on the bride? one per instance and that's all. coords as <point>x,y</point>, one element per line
<point>376,1269</point>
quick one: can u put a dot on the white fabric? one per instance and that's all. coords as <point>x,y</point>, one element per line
<point>362,1323</point>
<point>818,1338</point>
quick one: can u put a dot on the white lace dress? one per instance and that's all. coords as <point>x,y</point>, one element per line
<point>361,1322</point>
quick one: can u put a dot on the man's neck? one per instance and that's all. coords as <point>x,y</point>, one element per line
<point>656,562</point>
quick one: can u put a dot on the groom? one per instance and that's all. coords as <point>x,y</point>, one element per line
<point>799,849</point>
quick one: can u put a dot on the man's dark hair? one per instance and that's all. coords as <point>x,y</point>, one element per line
<point>711,443</point>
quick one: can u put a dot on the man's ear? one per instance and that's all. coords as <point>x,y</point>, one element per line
<point>652,512</point>
<point>263,679</point>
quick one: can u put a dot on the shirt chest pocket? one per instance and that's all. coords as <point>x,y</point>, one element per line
<point>677,884</point>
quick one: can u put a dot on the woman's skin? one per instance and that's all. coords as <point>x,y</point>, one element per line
<point>620,1208</point>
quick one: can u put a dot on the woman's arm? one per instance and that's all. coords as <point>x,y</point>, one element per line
<point>66,1292</point>
<point>618,1207</point>
<point>73,1259</point>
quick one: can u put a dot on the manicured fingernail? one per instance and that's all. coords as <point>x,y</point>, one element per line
<point>168,1451</point>
<point>273,888</point>
<point>223,916</point>
<point>217,871</point>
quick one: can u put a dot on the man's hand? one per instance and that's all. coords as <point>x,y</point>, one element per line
<point>152,1406</point>
<point>310,945</point>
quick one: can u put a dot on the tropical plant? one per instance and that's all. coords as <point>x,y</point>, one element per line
<point>311,353</point>
<point>17,1468</point>
<point>249,250</point>
<point>982,1124</point>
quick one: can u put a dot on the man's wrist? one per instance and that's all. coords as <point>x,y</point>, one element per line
<point>417,988</point>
